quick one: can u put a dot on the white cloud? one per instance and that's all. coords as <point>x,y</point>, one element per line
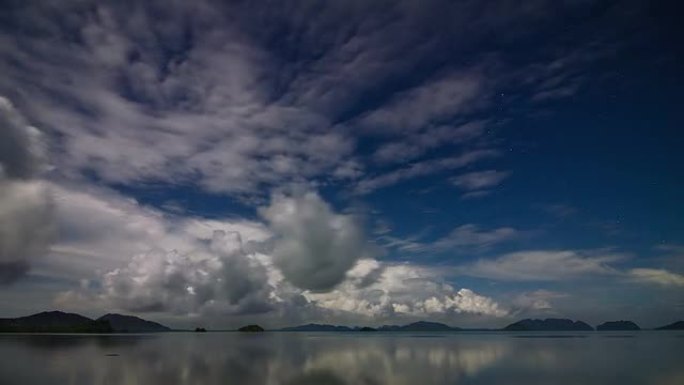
<point>314,246</point>
<point>26,211</point>
<point>402,290</point>
<point>543,265</point>
<point>656,276</point>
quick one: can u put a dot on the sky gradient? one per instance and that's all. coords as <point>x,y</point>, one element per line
<point>367,162</point>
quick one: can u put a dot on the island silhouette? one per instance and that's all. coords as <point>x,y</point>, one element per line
<point>62,322</point>
<point>618,325</point>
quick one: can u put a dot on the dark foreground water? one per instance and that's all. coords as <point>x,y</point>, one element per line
<point>345,358</point>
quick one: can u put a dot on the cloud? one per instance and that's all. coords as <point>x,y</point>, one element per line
<point>543,265</point>
<point>203,110</point>
<point>219,277</point>
<point>422,168</point>
<point>26,210</point>
<point>470,236</point>
<point>200,94</point>
<point>465,237</point>
<point>22,152</point>
<point>402,290</point>
<point>415,145</point>
<point>314,246</point>
<point>536,301</point>
<point>656,276</point>
<point>480,180</point>
<point>305,261</point>
<point>431,102</point>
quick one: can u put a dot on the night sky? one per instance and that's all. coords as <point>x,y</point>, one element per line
<point>350,162</point>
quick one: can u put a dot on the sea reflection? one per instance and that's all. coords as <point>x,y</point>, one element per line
<point>340,358</point>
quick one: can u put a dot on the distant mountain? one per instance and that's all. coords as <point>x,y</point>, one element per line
<point>618,325</point>
<point>130,324</point>
<point>679,325</point>
<point>549,324</point>
<point>368,329</point>
<point>420,326</point>
<point>251,328</point>
<point>54,322</point>
<point>425,326</point>
<point>389,328</point>
<point>317,328</point>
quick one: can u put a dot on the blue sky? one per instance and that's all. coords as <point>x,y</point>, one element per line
<point>346,162</point>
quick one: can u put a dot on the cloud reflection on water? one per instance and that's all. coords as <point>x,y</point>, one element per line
<point>299,358</point>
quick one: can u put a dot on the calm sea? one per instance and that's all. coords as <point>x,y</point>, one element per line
<point>345,358</point>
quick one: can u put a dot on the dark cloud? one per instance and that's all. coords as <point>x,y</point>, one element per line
<point>314,246</point>
<point>26,210</point>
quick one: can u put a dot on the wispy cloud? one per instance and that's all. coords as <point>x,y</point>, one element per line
<point>419,169</point>
<point>656,276</point>
<point>543,265</point>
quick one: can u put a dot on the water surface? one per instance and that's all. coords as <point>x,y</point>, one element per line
<point>344,358</point>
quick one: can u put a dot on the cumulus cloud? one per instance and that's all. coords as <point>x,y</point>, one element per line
<point>26,221</point>
<point>543,265</point>
<point>305,261</point>
<point>219,277</point>
<point>314,246</point>
<point>402,290</point>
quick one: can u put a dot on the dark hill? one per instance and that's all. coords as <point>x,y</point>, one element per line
<point>251,328</point>
<point>54,322</point>
<point>618,325</point>
<point>424,326</point>
<point>549,324</point>
<point>679,325</point>
<point>421,326</point>
<point>130,324</point>
<point>316,328</point>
